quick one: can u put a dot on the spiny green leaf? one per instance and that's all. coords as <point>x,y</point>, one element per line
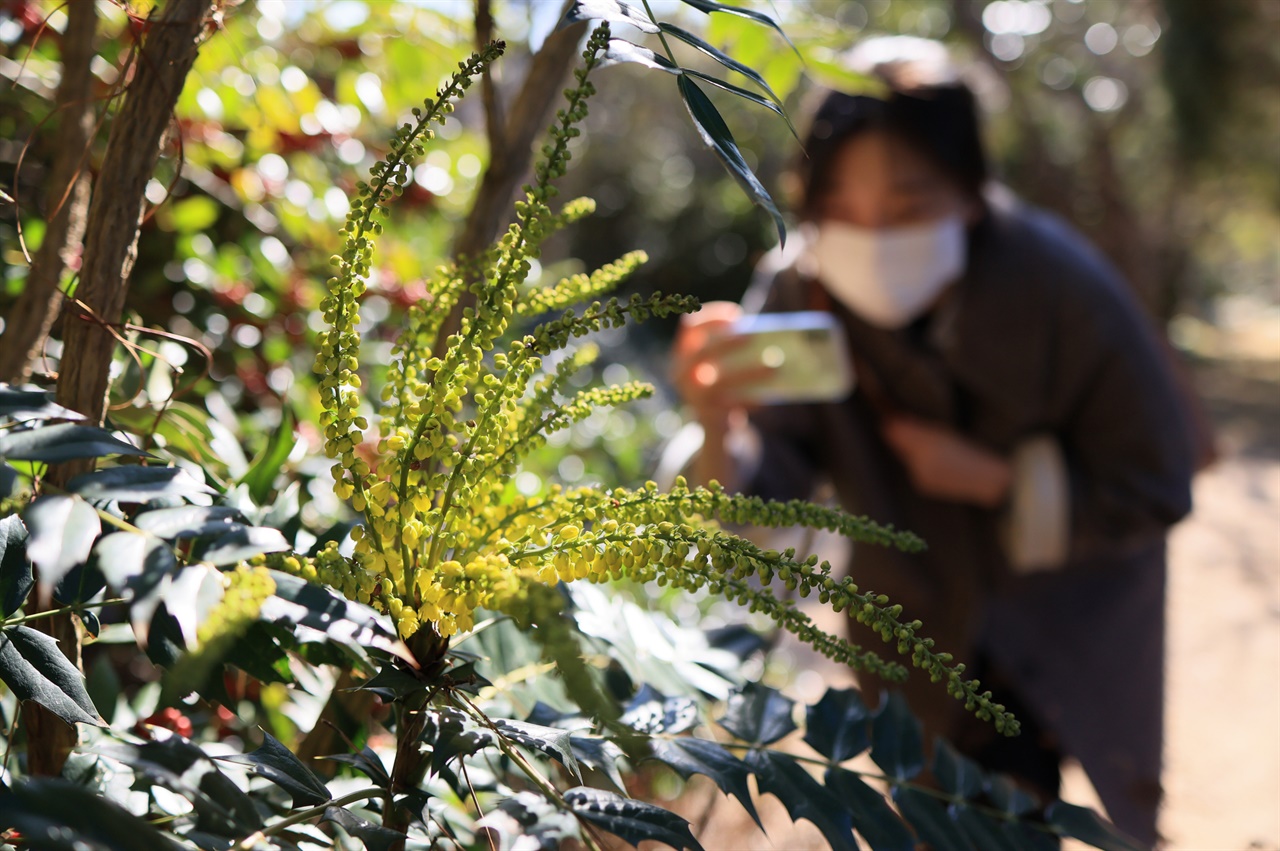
<point>839,725</point>
<point>635,821</point>
<point>33,668</point>
<point>367,762</point>
<point>600,755</point>
<point>188,521</point>
<point>746,94</point>
<point>872,816</point>
<point>311,606</point>
<point>896,743</point>
<point>528,820</point>
<point>374,836</point>
<point>928,816</point>
<point>779,774</point>
<point>138,567</point>
<point>16,577</point>
<point>240,543</point>
<point>956,774</point>
<point>136,484</point>
<point>715,133</point>
<point>651,712</point>
<point>689,756</point>
<point>22,405</point>
<point>62,529</point>
<point>55,815</point>
<point>63,442</point>
<point>550,741</point>
<point>278,764</point>
<point>1089,827</point>
<point>758,715</point>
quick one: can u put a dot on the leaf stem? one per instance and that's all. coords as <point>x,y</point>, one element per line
<point>249,842</point>
<point>662,37</point>
<point>21,619</point>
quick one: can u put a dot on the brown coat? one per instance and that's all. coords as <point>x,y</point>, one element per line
<point>1040,337</point>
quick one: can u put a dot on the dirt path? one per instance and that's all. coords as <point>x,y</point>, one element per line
<point>1222,775</point>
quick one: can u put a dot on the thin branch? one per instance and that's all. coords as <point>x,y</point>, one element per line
<point>249,842</point>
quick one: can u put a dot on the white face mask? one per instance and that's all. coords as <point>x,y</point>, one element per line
<point>889,276</point>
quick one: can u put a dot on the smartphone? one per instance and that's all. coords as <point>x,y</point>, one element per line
<point>807,353</point>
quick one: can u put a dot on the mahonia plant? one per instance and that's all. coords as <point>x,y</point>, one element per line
<point>444,534</point>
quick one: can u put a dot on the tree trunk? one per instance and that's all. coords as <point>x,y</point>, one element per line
<point>32,317</point>
<point>110,248</point>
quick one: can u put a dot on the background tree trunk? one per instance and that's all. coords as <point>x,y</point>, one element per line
<point>67,200</point>
<point>110,248</point>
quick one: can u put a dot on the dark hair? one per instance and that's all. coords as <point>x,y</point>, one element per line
<point>939,120</point>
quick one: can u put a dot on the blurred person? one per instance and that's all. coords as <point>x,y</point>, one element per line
<point>1014,407</point>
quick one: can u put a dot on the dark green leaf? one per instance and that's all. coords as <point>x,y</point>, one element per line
<point>178,765</point>
<point>24,405</point>
<point>758,715</point>
<point>278,764</point>
<point>393,682</point>
<point>453,735</point>
<point>1006,795</point>
<point>723,58</point>
<point>241,543</point>
<point>709,6</point>
<point>260,654</point>
<point>715,133</point>
<point>745,94</point>
<point>896,743</point>
<point>33,668</point>
<point>138,567</point>
<point>956,774</point>
<point>188,521</point>
<point>839,725</point>
<point>651,712</point>
<point>374,836</point>
<point>779,774</point>
<point>81,584</point>
<point>621,50</point>
<point>62,530</point>
<point>261,477</point>
<point>689,756</point>
<point>613,11</point>
<point>985,832</point>
<point>63,442</point>
<point>632,820</point>
<point>1084,824</point>
<point>136,484</point>
<point>1031,837</point>
<point>367,762</point>
<point>54,815</point>
<point>873,818</point>
<point>929,817</point>
<point>16,578</point>
<point>303,604</point>
<point>599,755</point>
<point>164,643</point>
<point>8,481</point>
<point>549,740</point>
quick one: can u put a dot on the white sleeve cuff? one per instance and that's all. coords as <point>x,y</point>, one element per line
<point>1038,519</point>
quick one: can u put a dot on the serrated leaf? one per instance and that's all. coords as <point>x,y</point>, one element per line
<point>689,756</point>
<point>599,755</point>
<point>314,607</point>
<point>758,715</point>
<point>549,740</point>
<point>928,817</point>
<point>241,543</point>
<point>839,725</point>
<point>261,476</point>
<point>613,11</point>
<point>136,484</point>
<point>178,765</point>
<point>709,6</point>
<point>723,58</point>
<point>985,832</point>
<point>651,712</point>
<point>54,815</point>
<point>16,577</point>
<point>367,762</point>
<point>374,836</point>
<point>956,774</point>
<point>632,820</point>
<point>22,405</point>
<point>779,774</point>
<point>188,521</point>
<point>392,683</point>
<point>62,530</point>
<point>715,133</point>
<point>620,51</point>
<point>873,818</point>
<point>896,741</point>
<point>278,764</point>
<point>1084,824</point>
<point>33,668</point>
<point>63,442</point>
<point>453,735</point>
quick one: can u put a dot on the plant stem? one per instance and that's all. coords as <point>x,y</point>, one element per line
<point>249,841</point>
<point>662,37</point>
<point>64,610</point>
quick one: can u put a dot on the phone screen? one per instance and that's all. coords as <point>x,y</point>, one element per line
<point>805,351</point>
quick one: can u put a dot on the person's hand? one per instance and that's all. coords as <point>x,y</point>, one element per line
<point>944,464</point>
<point>709,388</point>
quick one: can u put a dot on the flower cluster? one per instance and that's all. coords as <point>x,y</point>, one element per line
<point>444,536</point>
